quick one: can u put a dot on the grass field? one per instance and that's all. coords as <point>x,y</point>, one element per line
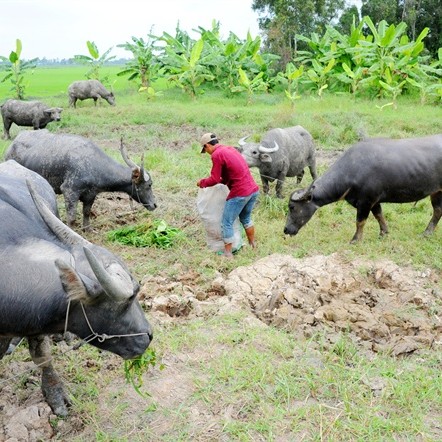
<point>261,374</point>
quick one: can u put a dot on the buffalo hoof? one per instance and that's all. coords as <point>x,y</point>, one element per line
<point>54,393</point>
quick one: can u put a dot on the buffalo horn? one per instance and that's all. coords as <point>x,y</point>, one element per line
<point>242,141</point>
<point>268,149</point>
<point>142,167</point>
<point>61,231</point>
<point>128,161</point>
<point>114,286</point>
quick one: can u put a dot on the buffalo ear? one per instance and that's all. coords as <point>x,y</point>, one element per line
<point>71,282</point>
<point>136,173</point>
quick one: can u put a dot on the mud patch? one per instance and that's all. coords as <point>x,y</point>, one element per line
<point>382,306</point>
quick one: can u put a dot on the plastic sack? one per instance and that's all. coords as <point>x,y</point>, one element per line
<point>210,205</point>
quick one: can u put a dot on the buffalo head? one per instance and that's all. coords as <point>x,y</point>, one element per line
<point>141,181</point>
<point>301,209</point>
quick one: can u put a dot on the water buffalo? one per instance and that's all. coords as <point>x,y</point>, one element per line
<point>52,280</point>
<point>372,172</point>
<point>281,153</point>
<point>28,113</point>
<point>77,168</point>
<point>84,89</point>
<point>13,169</point>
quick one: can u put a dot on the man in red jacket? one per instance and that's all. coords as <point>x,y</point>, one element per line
<point>230,168</point>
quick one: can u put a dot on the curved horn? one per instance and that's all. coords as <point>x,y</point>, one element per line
<point>242,141</point>
<point>268,149</point>
<point>142,167</point>
<point>123,151</point>
<point>61,231</point>
<point>114,286</point>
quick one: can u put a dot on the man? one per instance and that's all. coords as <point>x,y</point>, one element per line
<point>230,168</point>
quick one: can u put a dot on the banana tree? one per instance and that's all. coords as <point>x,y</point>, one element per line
<point>389,54</point>
<point>186,68</point>
<point>392,85</point>
<point>144,66</point>
<point>94,60</point>
<point>15,69</point>
<point>250,85</point>
<point>319,75</point>
<point>291,78</point>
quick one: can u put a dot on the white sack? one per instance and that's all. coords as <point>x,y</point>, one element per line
<point>210,204</point>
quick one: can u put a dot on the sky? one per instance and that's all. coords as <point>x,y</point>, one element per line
<point>60,28</point>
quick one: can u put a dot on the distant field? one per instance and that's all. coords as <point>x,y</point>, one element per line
<point>54,81</point>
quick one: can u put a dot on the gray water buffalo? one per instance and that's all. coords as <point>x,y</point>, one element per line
<point>28,113</point>
<point>12,169</point>
<point>84,89</point>
<point>52,280</point>
<point>281,153</point>
<point>372,172</point>
<point>77,168</point>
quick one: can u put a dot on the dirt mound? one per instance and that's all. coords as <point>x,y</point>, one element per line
<point>382,306</point>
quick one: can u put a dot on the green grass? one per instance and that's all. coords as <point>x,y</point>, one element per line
<point>268,386</point>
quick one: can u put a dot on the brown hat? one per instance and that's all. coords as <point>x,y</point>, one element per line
<point>207,138</point>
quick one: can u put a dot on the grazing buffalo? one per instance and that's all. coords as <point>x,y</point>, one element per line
<point>372,172</point>
<point>77,168</point>
<point>28,113</point>
<point>84,89</point>
<point>52,280</point>
<point>281,153</point>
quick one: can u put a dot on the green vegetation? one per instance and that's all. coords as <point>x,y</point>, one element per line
<point>15,69</point>
<point>135,369</point>
<point>154,234</point>
<point>95,62</point>
<point>252,382</point>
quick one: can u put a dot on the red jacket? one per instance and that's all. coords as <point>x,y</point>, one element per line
<point>230,168</point>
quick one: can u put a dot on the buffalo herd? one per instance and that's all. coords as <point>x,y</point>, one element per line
<point>72,285</point>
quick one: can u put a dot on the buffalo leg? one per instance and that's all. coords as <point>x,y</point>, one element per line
<point>312,168</point>
<point>279,183</point>
<point>361,218</point>
<point>4,346</point>
<point>376,210</point>
<point>7,123</point>
<point>87,208</point>
<point>299,177</point>
<point>265,185</point>
<point>71,201</point>
<point>436,202</point>
<point>51,385</point>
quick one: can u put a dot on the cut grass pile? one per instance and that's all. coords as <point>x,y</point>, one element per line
<point>155,233</point>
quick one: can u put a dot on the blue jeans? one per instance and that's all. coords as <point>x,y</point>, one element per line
<point>241,207</point>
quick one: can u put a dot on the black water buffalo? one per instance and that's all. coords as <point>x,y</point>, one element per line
<point>372,172</point>
<point>28,113</point>
<point>77,168</point>
<point>52,280</point>
<point>281,153</point>
<point>85,89</point>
